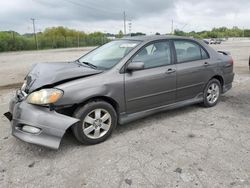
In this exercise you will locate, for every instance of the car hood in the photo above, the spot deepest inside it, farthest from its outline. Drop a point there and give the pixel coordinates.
(50, 74)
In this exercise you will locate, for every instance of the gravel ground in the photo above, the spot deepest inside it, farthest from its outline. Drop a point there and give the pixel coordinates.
(186, 147)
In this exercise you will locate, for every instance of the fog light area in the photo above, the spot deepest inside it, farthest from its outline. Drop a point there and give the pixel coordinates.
(30, 129)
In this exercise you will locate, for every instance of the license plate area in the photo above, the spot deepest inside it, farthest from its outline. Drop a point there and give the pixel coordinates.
(8, 115)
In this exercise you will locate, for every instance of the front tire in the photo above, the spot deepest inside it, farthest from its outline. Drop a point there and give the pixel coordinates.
(98, 120)
(212, 93)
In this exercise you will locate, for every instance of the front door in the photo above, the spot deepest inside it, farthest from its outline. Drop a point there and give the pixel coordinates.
(155, 85)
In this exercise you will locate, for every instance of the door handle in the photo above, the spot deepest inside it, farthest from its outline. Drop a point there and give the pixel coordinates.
(206, 64)
(169, 71)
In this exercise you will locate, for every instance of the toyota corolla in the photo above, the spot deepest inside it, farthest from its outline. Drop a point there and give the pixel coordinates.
(121, 81)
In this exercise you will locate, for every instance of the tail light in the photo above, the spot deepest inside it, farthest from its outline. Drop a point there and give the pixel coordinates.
(231, 61)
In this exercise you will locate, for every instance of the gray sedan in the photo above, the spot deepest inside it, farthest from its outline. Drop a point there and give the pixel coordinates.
(118, 82)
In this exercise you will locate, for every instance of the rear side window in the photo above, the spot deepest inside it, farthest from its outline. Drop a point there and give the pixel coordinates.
(189, 51)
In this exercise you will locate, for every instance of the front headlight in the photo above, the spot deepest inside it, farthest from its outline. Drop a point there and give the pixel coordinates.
(45, 96)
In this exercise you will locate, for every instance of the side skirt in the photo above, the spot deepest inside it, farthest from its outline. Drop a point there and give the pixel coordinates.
(125, 118)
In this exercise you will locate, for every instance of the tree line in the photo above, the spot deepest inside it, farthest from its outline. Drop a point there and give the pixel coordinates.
(221, 32)
(62, 37)
(56, 37)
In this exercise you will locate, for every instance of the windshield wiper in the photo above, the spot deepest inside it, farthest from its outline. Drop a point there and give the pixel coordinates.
(90, 65)
(87, 63)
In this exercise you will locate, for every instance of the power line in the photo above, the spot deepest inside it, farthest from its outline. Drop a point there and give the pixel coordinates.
(34, 30)
(184, 26)
(88, 5)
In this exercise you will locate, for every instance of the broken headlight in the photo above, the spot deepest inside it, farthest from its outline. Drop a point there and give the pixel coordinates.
(24, 85)
(45, 96)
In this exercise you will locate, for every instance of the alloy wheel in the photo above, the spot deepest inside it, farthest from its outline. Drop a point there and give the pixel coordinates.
(213, 93)
(97, 123)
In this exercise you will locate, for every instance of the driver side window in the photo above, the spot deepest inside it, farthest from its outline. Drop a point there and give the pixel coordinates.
(154, 55)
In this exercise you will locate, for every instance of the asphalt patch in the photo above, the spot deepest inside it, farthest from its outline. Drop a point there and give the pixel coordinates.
(178, 170)
(128, 181)
(31, 164)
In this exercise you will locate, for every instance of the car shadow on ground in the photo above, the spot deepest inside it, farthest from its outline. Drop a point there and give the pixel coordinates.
(160, 116)
(69, 141)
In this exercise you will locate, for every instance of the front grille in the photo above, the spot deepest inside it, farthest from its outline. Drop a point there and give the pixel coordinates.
(26, 90)
(20, 95)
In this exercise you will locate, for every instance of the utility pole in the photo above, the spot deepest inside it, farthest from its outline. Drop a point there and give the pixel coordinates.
(14, 40)
(130, 27)
(172, 27)
(34, 32)
(78, 39)
(124, 22)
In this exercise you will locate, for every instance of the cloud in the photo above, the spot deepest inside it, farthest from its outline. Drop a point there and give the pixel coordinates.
(202, 15)
(107, 15)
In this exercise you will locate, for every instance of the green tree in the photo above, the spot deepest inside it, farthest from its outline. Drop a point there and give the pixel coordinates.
(120, 34)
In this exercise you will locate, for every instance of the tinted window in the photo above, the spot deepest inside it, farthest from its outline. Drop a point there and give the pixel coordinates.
(189, 51)
(154, 55)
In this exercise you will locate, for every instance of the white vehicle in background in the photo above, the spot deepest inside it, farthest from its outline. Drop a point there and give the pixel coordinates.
(215, 41)
(207, 41)
(212, 41)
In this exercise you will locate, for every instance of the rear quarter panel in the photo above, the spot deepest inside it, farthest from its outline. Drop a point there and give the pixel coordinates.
(226, 66)
(222, 65)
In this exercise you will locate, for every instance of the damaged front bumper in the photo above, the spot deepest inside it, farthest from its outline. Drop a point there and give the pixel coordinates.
(38, 124)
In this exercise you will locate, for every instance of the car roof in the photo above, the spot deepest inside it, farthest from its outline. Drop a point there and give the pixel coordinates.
(147, 38)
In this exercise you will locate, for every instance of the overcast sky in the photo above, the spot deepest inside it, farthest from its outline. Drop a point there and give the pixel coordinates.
(147, 16)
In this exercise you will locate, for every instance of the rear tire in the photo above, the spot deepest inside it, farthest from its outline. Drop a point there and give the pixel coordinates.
(98, 120)
(212, 93)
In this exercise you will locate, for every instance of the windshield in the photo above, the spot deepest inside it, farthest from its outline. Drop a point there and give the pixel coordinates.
(109, 54)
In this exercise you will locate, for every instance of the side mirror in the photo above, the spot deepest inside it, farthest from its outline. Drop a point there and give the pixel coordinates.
(132, 66)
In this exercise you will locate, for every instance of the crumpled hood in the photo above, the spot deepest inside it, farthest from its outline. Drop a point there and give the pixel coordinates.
(44, 74)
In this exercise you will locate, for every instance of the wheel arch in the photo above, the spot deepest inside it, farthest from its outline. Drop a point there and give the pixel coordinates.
(107, 99)
(220, 78)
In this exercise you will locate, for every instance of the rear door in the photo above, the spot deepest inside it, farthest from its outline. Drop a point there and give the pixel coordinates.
(155, 85)
(193, 69)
